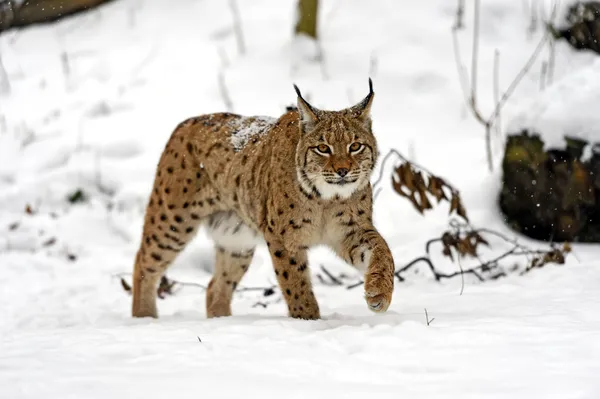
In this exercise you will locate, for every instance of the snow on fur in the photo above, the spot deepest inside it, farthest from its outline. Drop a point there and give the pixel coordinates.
(249, 128)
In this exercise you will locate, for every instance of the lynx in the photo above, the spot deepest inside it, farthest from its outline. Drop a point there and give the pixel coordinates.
(294, 182)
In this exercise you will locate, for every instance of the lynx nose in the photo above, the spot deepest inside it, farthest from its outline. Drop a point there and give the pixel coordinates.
(342, 172)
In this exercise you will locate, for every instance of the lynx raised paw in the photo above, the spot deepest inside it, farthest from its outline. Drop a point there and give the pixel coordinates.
(378, 292)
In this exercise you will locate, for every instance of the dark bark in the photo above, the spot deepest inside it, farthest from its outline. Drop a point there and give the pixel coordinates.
(307, 17)
(582, 26)
(41, 11)
(551, 194)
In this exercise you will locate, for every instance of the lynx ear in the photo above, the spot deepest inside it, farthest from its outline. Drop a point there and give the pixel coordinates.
(362, 110)
(309, 116)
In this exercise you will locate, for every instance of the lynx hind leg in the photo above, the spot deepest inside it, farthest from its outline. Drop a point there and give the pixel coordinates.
(234, 245)
(182, 197)
(166, 234)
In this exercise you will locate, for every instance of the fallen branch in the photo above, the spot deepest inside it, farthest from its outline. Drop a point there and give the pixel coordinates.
(168, 286)
(462, 241)
(333, 280)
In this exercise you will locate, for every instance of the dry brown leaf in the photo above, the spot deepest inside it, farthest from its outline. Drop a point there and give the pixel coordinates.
(435, 188)
(415, 184)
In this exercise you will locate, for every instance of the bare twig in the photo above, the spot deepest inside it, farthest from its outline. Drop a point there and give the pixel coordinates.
(519, 77)
(267, 291)
(488, 122)
(543, 74)
(463, 77)
(223, 57)
(460, 12)
(551, 60)
(224, 92)
(474, 57)
(427, 318)
(410, 264)
(551, 43)
(391, 153)
(333, 279)
(237, 26)
(533, 18)
(462, 276)
(497, 92)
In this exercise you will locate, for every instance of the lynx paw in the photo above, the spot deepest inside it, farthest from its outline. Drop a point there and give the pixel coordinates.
(378, 292)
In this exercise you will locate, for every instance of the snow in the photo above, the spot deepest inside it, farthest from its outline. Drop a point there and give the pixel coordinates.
(92, 102)
(249, 128)
(571, 116)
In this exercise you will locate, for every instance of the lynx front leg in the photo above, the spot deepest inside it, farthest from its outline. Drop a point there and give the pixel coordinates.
(293, 276)
(365, 249)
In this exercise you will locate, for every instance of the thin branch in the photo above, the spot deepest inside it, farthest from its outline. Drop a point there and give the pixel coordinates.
(496, 88)
(552, 44)
(460, 12)
(471, 98)
(474, 55)
(263, 289)
(334, 279)
(395, 152)
(427, 318)
(224, 92)
(223, 57)
(237, 26)
(543, 74)
(411, 264)
(462, 276)
(519, 77)
(463, 77)
(382, 168)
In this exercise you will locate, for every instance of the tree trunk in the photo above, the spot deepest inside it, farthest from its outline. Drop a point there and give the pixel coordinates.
(307, 17)
(39, 11)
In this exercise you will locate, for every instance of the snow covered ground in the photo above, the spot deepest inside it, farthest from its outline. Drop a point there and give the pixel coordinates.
(92, 102)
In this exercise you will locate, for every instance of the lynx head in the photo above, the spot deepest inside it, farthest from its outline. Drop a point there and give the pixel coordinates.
(337, 150)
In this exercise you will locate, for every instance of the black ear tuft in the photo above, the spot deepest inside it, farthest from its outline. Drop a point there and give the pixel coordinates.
(298, 91)
(362, 110)
(308, 114)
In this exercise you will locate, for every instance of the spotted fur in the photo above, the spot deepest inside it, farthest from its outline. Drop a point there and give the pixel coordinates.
(294, 182)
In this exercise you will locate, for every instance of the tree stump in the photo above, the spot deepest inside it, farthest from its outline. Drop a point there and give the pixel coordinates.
(582, 26)
(553, 194)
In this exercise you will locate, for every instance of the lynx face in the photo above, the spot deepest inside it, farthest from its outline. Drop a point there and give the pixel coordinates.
(337, 150)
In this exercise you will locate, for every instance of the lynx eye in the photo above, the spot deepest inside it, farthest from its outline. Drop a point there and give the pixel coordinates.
(323, 149)
(354, 147)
